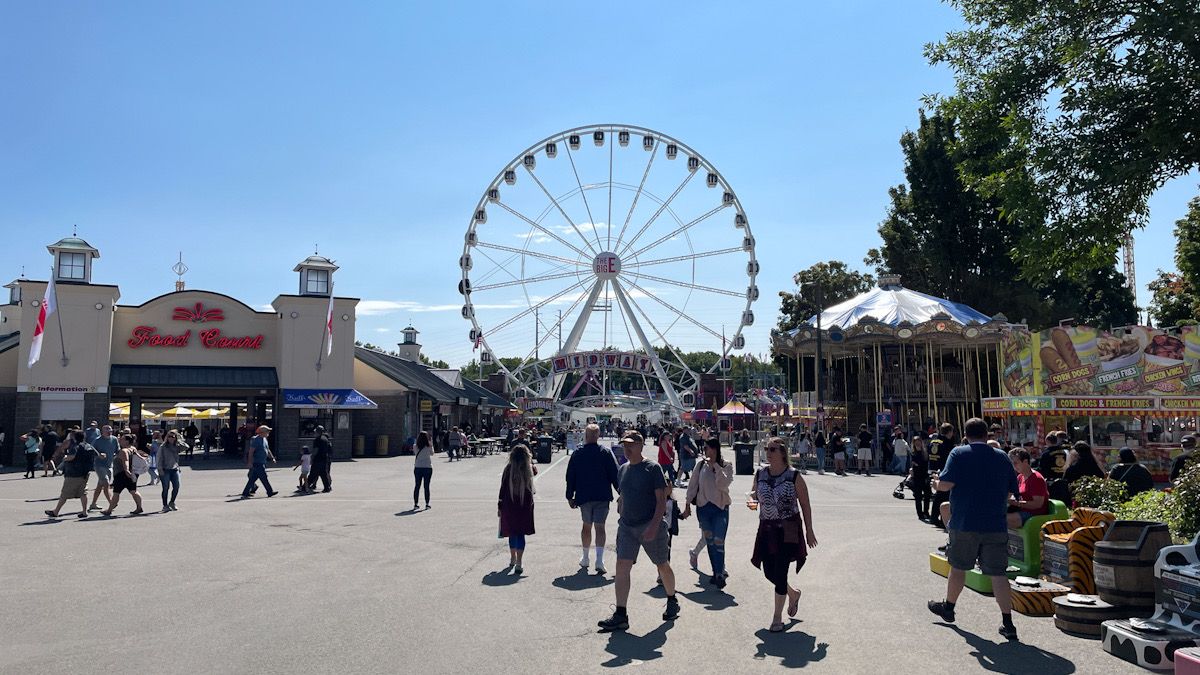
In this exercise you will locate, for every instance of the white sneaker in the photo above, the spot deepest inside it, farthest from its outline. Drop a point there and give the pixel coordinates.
(820, 473)
(584, 562)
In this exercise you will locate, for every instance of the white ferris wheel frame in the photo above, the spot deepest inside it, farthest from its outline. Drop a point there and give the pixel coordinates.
(535, 377)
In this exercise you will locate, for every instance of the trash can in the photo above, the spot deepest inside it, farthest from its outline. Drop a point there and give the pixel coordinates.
(360, 444)
(743, 459)
(381, 445)
(545, 447)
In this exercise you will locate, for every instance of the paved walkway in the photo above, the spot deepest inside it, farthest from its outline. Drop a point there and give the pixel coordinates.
(354, 581)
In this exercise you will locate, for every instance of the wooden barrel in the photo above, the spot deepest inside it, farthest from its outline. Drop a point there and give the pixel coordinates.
(1085, 618)
(1123, 564)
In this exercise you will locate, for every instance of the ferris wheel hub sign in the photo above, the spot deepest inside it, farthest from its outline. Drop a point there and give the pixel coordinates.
(606, 265)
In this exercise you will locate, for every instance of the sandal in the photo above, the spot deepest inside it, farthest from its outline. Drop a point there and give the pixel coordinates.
(776, 627)
(794, 603)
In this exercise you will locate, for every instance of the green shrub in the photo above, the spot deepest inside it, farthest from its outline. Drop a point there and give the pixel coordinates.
(1099, 493)
(1186, 496)
(1151, 506)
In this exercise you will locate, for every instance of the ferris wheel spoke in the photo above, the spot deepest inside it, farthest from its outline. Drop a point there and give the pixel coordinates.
(608, 221)
(695, 287)
(638, 194)
(668, 387)
(544, 231)
(660, 334)
(657, 213)
(558, 206)
(552, 329)
(675, 311)
(530, 310)
(679, 230)
(526, 280)
(582, 193)
(682, 258)
(534, 254)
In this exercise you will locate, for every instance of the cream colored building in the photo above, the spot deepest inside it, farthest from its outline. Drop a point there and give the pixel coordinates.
(189, 345)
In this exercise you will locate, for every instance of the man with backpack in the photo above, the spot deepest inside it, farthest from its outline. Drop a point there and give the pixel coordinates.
(77, 464)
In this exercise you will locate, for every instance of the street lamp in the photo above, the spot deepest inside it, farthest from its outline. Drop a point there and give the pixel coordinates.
(820, 361)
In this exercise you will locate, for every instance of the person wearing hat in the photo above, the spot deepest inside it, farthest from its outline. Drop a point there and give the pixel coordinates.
(257, 454)
(321, 459)
(642, 504)
(1136, 477)
(1189, 453)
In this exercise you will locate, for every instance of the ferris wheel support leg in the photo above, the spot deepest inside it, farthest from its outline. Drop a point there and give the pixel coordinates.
(668, 387)
(551, 385)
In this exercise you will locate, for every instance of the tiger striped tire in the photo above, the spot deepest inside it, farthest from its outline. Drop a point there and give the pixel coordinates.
(1036, 600)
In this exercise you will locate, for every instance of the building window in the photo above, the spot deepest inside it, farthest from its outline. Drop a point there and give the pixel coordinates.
(71, 266)
(318, 282)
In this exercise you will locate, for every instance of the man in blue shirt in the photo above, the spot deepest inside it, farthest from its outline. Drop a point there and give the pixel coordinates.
(106, 448)
(257, 453)
(591, 478)
(980, 479)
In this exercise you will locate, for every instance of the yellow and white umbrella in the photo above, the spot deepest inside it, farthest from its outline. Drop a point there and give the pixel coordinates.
(178, 411)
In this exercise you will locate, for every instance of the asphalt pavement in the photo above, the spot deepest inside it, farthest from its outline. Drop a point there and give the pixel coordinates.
(355, 581)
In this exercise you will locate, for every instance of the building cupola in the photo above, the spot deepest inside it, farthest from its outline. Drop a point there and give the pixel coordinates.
(316, 275)
(73, 260)
(409, 350)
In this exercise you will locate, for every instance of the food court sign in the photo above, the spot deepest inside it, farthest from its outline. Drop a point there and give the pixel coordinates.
(209, 338)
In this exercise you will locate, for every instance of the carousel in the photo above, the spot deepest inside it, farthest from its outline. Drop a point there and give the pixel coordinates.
(895, 356)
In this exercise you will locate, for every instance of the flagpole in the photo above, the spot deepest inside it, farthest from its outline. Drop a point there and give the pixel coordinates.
(325, 326)
(62, 341)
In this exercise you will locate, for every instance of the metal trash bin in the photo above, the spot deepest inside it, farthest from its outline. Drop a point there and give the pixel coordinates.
(544, 449)
(743, 459)
(381, 445)
(360, 443)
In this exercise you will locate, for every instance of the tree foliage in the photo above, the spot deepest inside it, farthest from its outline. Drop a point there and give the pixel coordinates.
(1176, 298)
(819, 286)
(949, 240)
(1091, 106)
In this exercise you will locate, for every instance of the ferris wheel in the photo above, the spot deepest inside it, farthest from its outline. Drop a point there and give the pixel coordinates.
(595, 258)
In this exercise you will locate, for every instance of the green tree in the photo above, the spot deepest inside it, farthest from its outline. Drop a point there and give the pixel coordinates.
(822, 285)
(1091, 106)
(434, 363)
(1177, 295)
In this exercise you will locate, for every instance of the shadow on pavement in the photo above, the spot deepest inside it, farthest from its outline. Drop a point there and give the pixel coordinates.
(45, 521)
(411, 512)
(1012, 657)
(794, 650)
(581, 581)
(710, 598)
(500, 578)
(628, 649)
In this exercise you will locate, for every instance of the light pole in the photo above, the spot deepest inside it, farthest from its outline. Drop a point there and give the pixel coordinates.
(820, 360)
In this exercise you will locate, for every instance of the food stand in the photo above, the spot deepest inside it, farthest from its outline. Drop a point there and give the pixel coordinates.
(1136, 387)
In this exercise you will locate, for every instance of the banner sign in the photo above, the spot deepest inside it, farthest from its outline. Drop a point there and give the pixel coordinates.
(535, 407)
(326, 398)
(631, 362)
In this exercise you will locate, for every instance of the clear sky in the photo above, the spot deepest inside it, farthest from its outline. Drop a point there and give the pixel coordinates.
(244, 133)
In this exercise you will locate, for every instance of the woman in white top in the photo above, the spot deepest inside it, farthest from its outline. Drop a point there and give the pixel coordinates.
(709, 491)
(422, 467)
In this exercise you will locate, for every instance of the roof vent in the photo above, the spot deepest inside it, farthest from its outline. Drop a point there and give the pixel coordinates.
(889, 280)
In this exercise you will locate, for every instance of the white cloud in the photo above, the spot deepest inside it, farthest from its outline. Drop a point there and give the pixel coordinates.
(383, 330)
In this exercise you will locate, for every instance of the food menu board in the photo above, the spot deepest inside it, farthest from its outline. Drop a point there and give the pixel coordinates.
(1084, 361)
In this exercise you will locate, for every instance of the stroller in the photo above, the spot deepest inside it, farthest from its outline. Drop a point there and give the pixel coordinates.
(906, 483)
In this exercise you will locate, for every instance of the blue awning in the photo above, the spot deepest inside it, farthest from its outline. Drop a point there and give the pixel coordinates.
(341, 399)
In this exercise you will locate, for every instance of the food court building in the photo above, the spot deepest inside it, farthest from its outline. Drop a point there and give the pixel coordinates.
(137, 363)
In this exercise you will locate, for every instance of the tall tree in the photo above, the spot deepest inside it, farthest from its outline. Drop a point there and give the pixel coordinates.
(948, 239)
(1177, 295)
(1097, 101)
(822, 285)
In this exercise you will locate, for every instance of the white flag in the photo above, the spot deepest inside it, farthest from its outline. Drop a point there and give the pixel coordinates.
(47, 308)
(329, 324)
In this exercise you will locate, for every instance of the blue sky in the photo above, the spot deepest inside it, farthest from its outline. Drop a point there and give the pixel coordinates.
(244, 133)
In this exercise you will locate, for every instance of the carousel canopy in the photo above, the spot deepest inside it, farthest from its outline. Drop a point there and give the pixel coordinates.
(891, 304)
(735, 408)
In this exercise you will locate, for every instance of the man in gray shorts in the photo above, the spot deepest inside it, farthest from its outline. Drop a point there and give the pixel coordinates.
(644, 492)
(591, 478)
(980, 480)
(106, 449)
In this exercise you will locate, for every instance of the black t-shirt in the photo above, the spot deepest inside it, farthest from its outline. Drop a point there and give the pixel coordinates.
(1053, 463)
(1178, 465)
(864, 439)
(1135, 477)
(819, 439)
(85, 457)
(49, 442)
(938, 449)
(835, 443)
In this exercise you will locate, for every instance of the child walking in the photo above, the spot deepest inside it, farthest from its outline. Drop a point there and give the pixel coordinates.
(305, 465)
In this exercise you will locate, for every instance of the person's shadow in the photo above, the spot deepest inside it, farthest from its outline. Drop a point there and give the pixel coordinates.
(581, 581)
(410, 512)
(793, 649)
(1012, 657)
(500, 578)
(628, 649)
(710, 598)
